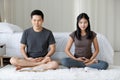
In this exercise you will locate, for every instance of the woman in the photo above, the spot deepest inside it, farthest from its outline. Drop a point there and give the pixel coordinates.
(83, 38)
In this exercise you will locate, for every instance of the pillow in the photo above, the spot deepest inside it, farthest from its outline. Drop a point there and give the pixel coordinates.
(9, 28)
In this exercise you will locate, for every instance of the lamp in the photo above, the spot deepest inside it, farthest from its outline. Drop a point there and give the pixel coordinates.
(0, 18)
(2, 52)
(5, 10)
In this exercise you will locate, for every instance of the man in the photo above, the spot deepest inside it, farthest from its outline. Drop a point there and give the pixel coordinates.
(34, 45)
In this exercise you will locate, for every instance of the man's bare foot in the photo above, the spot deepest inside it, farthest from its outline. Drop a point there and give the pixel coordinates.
(91, 62)
(18, 67)
(40, 68)
(46, 59)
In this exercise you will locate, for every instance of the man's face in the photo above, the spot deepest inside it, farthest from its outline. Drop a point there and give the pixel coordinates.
(37, 21)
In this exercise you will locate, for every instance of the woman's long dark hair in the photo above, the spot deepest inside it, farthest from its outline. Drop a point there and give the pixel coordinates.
(78, 30)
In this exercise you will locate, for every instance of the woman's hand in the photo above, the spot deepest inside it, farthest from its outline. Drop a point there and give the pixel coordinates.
(91, 62)
(82, 59)
(86, 60)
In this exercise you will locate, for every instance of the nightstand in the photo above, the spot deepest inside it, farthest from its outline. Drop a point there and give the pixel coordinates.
(2, 52)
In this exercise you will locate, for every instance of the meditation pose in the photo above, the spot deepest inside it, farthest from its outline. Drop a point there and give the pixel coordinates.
(35, 42)
(83, 38)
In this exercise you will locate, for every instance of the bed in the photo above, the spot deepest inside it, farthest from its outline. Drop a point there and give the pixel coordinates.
(113, 73)
(11, 38)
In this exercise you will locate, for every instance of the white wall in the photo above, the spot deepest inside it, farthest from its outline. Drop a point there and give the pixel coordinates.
(58, 13)
(117, 58)
(117, 26)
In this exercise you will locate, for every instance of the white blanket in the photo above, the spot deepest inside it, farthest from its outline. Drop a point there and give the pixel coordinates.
(113, 73)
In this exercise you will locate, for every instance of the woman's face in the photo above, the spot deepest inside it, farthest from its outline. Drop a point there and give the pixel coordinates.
(83, 24)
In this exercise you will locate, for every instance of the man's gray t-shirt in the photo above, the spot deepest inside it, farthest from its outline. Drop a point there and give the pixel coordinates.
(37, 43)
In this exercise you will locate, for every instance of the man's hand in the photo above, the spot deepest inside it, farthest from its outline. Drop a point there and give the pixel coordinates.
(39, 59)
(31, 59)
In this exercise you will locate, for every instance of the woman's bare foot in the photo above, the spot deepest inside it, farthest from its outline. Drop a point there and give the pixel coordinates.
(91, 62)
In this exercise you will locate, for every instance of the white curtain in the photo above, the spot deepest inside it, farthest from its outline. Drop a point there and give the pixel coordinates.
(1, 10)
(103, 16)
(5, 10)
(60, 15)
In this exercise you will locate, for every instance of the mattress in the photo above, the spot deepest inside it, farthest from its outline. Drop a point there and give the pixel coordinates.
(12, 42)
(113, 73)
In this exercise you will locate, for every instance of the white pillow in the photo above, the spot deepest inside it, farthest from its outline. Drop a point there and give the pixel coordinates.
(9, 28)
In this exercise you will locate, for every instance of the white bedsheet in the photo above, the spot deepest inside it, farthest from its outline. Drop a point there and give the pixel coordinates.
(113, 73)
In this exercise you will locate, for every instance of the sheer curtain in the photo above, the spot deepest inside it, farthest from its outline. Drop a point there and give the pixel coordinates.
(58, 13)
(61, 15)
(103, 16)
(5, 10)
(1, 10)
